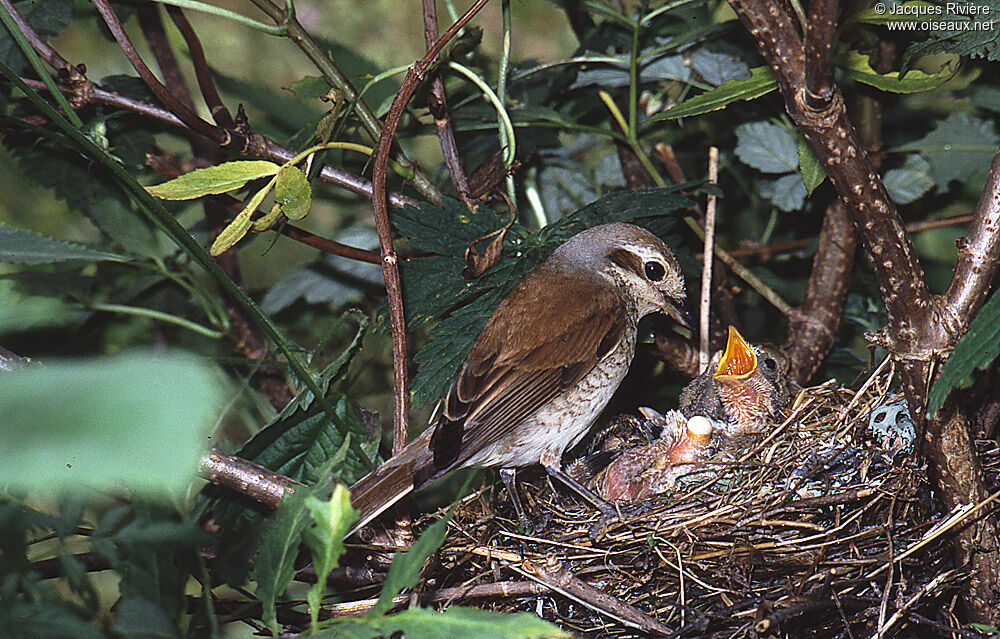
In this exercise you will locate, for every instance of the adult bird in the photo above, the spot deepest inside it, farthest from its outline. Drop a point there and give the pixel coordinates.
(549, 359)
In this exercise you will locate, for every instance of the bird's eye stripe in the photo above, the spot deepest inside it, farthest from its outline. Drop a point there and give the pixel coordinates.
(627, 260)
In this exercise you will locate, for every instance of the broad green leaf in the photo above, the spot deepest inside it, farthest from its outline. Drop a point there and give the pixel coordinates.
(857, 67)
(909, 182)
(279, 546)
(767, 147)
(761, 82)
(240, 224)
(331, 520)
(810, 168)
(455, 621)
(975, 350)
(971, 34)
(404, 572)
(310, 87)
(292, 192)
(138, 420)
(787, 192)
(212, 180)
(959, 148)
(24, 247)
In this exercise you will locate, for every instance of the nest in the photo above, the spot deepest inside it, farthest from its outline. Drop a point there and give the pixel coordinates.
(745, 550)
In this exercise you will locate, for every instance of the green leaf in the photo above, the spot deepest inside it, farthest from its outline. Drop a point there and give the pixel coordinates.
(455, 621)
(138, 618)
(976, 350)
(976, 35)
(212, 180)
(911, 181)
(404, 572)
(961, 147)
(788, 193)
(236, 229)
(325, 539)
(279, 546)
(895, 13)
(46, 17)
(858, 67)
(810, 168)
(19, 312)
(767, 147)
(136, 420)
(761, 82)
(310, 87)
(292, 192)
(24, 247)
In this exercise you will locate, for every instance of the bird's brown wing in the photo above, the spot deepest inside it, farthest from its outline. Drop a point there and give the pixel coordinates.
(535, 346)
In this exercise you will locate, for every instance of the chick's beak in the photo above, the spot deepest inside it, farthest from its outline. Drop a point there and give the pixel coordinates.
(739, 360)
(673, 307)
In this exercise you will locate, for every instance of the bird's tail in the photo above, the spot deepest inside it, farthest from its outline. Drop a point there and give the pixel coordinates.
(380, 489)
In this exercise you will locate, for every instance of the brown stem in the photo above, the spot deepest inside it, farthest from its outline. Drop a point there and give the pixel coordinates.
(175, 104)
(437, 103)
(812, 327)
(390, 270)
(247, 478)
(821, 30)
(202, 72)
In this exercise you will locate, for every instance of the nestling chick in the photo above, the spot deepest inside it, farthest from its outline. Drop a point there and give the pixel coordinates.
(743, 388)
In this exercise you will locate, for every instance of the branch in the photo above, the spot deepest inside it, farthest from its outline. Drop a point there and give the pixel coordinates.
(390, 270)
(247, 478)
(821, 30)
(209, 93)
(812, 327)
(437, 104)
(978, 252)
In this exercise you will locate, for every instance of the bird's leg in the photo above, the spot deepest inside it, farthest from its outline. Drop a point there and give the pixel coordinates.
(509, 477)
(606, 509)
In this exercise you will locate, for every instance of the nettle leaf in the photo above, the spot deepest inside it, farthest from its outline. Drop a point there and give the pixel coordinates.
(761, 82)
(810, 168)
(435, 289)
(24, 247)
(292, 192)
(70, 425)
(788, 193)
(46, 17)
(858, 67)
(909, 182)
(979, 38)
(279, 546)
(213, 180)
(961, 147)
(977, 349)
(767, 147)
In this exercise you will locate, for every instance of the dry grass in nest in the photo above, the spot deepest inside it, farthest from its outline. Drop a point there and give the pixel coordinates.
(738, 556)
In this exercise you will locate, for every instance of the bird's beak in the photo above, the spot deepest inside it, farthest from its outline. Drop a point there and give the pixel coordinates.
(739, 360)
(673, 308)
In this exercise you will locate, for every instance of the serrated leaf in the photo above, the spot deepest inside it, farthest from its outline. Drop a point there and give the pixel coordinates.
(455, 621)
(279, 546)
(25, 247)
(72, 425)
(788, 193)
(976, 35)
(761, 82)
(975, 350)
(959, 147)
(325, 538)
(46, 17)
(810, 168)
(292, 192)
(858, 67)
(767, 147)
(212, 180)
(404, 572)
(909, 182)
(236, 229)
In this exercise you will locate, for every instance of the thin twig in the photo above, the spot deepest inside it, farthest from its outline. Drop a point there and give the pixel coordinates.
(202, 72)
(706, 268)
(247, 478)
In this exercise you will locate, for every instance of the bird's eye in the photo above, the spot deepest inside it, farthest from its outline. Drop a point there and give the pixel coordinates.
(654, 271)
(770, 363)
